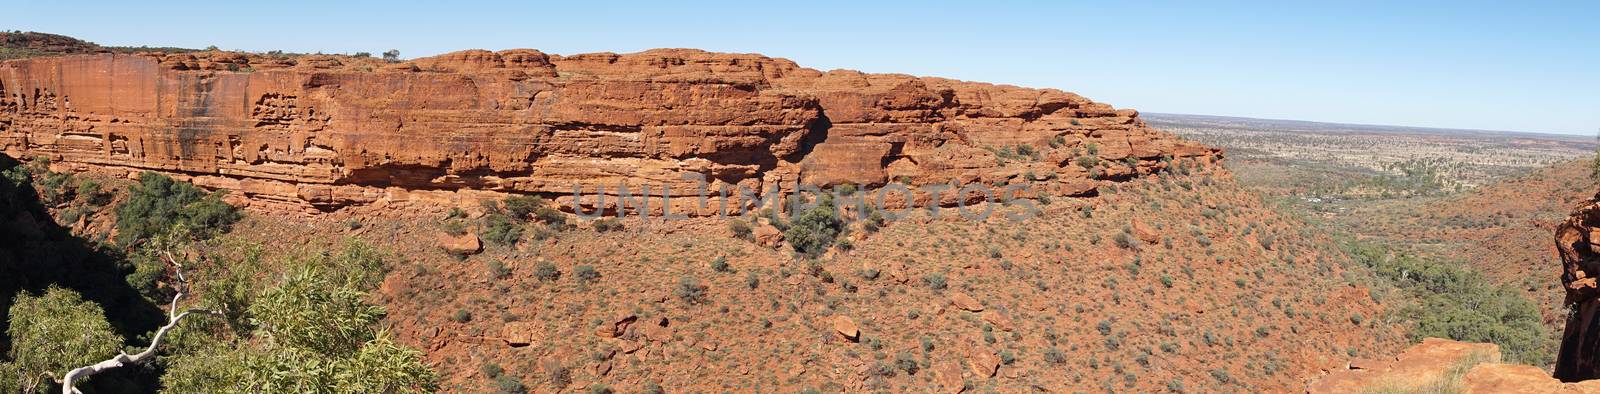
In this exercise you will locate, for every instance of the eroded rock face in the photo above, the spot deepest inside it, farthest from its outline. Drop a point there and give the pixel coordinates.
(1578, 243)
(318, 133)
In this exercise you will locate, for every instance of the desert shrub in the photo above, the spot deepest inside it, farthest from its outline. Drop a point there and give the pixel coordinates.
(500, 229)
(1027, 150)
(653, 388)
(522, 207)
(1124, 240)
(158, 203)
(1086, 162)
(498, 270)
(90, 192)
(741, 229)
(585, 273)
(491, 370)
(690, 290)
(906, 362)
(720, 264)
(815, 230)
(557, 373)
(454, 227)
(607, 225)
(546, 271)
(935, 281)
(1055, 356)
(1221, 375)
(507, 384)
(752, 281)
(53, 187)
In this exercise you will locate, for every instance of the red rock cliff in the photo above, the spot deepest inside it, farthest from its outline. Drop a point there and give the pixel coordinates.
(327, 132)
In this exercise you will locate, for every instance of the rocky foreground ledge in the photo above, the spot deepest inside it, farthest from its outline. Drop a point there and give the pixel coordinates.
(1445, 366)
(316, 133)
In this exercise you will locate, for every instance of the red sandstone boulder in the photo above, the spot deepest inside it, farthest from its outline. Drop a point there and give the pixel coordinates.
(964, 301)
(460, 245)
(846, 327)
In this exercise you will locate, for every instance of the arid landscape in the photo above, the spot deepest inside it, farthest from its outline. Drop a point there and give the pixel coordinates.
(353, 223)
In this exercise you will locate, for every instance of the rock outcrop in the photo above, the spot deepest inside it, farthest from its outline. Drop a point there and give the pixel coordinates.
(319, 133)
(1441, 365)
(1578, 243)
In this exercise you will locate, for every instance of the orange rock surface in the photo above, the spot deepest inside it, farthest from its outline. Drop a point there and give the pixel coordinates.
(319, 133)
(1441, 365)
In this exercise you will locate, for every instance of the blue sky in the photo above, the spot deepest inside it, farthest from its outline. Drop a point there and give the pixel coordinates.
(1457, 64)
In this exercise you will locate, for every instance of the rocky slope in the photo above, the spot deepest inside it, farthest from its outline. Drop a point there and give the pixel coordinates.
(319, 133)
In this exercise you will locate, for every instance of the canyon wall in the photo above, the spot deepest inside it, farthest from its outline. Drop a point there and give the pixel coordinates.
(318, 133)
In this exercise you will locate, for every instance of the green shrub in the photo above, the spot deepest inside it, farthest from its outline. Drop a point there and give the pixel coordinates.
(1055, 356)
(1457, 303)
(498, 228)
(158, 204)
(813, 231)
(90, 192)
(720, 264)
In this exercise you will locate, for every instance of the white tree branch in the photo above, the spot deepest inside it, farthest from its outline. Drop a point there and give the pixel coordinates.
(69, 381)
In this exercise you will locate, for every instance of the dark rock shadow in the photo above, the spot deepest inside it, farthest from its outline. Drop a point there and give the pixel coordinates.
(37, 253)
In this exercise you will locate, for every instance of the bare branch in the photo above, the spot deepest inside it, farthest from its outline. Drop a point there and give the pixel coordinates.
(69, 381)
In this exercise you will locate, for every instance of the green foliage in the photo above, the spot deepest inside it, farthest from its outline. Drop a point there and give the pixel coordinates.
(314, 333)
(720, 264)
(498, 228)
(1457, 303)
(159, 203)
(54, 332)
(1594, 166)
(1415, 177)
(813, 231)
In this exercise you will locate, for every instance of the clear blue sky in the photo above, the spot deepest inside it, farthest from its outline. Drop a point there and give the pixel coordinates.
(1456, 64)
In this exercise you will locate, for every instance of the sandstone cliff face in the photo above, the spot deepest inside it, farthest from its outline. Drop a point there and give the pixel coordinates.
(1578, 243)
(318, 133)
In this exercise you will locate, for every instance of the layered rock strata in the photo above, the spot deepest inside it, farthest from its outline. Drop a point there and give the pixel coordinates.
(319, 133)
